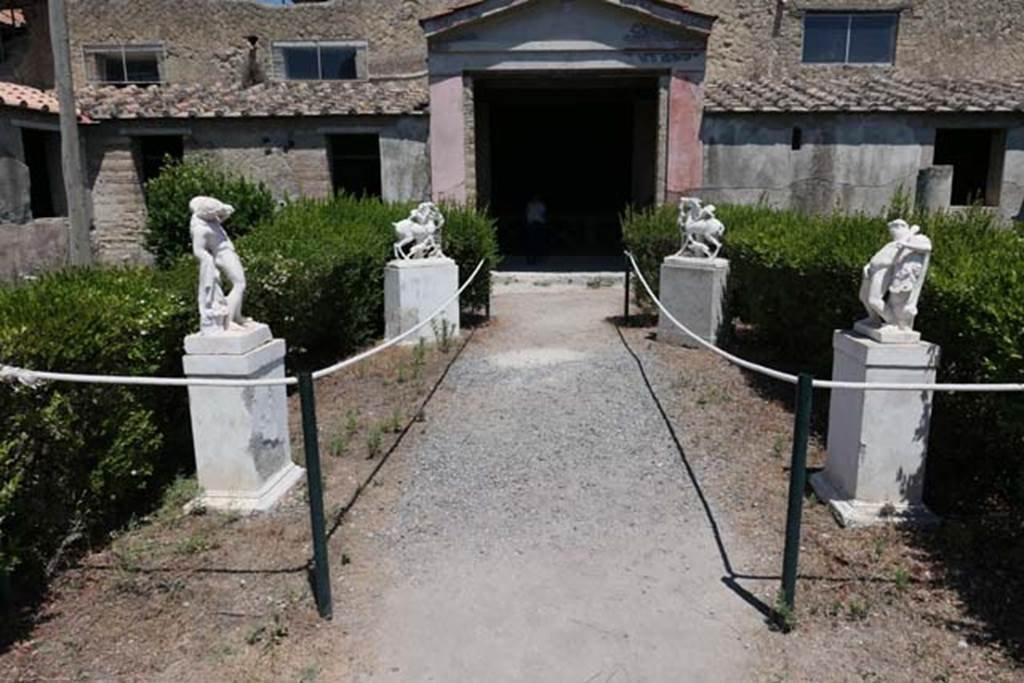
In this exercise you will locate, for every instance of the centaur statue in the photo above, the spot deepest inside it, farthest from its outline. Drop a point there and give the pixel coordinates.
(422, 229)
(701, 231)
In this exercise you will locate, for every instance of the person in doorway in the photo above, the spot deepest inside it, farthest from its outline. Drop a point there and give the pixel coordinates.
(536, 223)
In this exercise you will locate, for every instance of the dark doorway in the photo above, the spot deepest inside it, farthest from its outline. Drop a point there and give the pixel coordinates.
(976, 156)
(355, 164)
(585, 149)
(46, 182)
(156, 151)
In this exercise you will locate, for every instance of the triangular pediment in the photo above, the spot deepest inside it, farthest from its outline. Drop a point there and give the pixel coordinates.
(567, 25)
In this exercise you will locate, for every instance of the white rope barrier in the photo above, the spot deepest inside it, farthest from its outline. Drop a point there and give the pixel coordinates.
(331, 369)
(35, 377)
(818, 384)
(32, 378)
(735, 360)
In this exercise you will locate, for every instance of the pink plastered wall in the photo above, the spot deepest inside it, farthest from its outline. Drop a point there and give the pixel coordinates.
(685, 151)
(447, 140)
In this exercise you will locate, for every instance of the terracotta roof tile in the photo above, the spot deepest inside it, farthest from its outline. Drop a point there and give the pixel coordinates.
(865, 92)
(25, 97)
(276, 98)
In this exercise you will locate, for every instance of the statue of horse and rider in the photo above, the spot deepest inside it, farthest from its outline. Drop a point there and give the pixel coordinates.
(422, 230)
(701, 231)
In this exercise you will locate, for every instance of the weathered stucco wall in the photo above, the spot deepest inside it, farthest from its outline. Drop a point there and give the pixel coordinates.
(207, 40)
(764, 38)
(31, 248)
(290, 156)
(752, 38)
(854, 162)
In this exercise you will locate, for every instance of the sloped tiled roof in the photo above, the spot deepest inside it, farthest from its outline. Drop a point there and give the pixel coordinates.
(278, 98)
(25, 97)
(822, 93)
(868, 92)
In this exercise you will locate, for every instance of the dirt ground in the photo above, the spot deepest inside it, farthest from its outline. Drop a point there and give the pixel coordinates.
(197, 597)
(877, 604)
(180, 597)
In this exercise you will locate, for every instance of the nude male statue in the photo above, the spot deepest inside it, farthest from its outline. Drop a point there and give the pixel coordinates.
(216, 254)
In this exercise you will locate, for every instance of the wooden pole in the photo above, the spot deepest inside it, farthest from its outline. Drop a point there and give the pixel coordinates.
(79, 249)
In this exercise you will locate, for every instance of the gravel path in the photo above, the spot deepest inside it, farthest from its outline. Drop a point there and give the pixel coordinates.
(546, 529)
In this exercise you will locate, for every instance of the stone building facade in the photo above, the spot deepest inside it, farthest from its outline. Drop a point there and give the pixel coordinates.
(637, 101)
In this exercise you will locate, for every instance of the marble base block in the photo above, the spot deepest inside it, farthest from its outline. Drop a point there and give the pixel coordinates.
(414, 289)
(229, 343)
(693, 289)
(877, 440)
(240, 434)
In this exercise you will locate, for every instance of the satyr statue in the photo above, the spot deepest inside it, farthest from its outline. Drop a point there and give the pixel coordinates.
(701, 231)
(422, 229)
(894, 277)
(210, 244)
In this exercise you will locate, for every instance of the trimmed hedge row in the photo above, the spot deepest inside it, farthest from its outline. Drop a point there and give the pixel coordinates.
(795, 278)
(76, 460)
(168, 195)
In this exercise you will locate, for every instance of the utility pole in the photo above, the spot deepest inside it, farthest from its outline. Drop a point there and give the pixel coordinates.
(79, 249)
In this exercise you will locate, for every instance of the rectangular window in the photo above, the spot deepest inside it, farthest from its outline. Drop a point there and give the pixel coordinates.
(355, 164)
(156, 151)
(859, 38)
(976, 156)
(125, 64)
(320, 61)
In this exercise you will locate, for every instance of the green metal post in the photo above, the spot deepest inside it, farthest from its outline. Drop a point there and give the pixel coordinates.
(797, 482)
(314, 483)
(625, 314)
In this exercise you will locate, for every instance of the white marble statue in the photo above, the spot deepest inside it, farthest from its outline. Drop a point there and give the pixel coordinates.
(701, 231)
(893, 279)
(422, 229)
(212, 246)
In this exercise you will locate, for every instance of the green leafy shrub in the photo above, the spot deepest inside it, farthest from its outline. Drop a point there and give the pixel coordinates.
(469, 237)
(168, 195)
(316, 271)
(76, 458)
(795, 278)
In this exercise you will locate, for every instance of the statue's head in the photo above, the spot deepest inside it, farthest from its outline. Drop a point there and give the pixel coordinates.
(210, 209)
(899, 229)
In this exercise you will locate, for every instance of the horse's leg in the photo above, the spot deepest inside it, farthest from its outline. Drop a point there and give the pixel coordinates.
(401, 244)
(716, 244)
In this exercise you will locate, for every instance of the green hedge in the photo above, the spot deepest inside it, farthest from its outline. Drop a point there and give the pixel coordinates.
(168, 195)
(315, 272)
(75, 460)
(795, 278)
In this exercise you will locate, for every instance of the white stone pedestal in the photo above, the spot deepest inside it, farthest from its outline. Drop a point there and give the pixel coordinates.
(413, 289)
(877, 440)
(240, 434)
(693, 289)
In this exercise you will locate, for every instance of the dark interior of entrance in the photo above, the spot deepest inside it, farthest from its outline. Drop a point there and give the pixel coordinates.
(584, 148)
